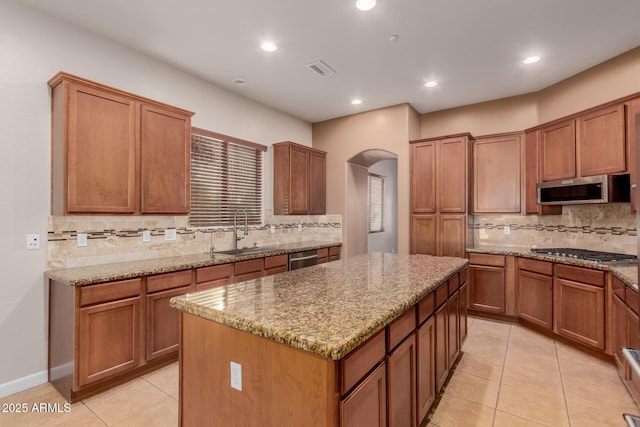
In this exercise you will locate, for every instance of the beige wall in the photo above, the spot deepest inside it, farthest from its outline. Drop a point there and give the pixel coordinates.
(387, 129)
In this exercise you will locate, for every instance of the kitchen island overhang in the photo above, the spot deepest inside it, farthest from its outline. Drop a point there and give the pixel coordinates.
(290, 332)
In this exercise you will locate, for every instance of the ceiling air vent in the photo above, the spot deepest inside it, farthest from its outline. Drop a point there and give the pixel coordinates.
(321, 69)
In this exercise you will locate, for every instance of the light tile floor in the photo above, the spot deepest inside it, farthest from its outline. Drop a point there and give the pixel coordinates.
(508, 376)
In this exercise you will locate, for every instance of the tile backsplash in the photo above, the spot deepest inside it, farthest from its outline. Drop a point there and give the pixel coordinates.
(119, 238)
(607, 227)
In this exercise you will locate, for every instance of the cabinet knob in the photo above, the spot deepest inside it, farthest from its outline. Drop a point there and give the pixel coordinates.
(633, 187)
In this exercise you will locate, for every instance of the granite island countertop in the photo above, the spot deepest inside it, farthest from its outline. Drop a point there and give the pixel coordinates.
(625, 271)
(328, 309)
(89, 275)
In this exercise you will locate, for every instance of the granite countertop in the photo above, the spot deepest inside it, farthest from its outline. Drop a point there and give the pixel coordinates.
(625, 271)
(89, 275)
(328, 309)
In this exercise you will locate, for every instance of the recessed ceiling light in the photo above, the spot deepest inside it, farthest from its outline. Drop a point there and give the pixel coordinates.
(531, 59)
(240, 82)
(356, 101)
(365, 4)
(393, 37)
(431, 83)
(269, 46)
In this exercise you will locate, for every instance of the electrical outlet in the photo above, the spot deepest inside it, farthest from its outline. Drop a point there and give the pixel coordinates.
(507, 229)
(299, 227)
(146, 236)
(82, 240)
(170, 234)
(273, 229)
(236, 376)
(33, 241)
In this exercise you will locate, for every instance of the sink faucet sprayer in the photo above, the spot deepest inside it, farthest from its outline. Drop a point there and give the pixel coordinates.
(235, 227)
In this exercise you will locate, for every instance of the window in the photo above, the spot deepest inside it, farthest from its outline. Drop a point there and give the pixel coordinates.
(226, 175)
(376, 203)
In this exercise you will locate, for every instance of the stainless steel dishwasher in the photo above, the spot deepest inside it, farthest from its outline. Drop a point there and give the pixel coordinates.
(302, 259)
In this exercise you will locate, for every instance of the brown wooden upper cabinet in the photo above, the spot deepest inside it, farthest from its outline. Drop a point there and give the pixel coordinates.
(601, 138)
(497, 173)
(299, 180)
(114, 152)
(558, 150)
(533, 175)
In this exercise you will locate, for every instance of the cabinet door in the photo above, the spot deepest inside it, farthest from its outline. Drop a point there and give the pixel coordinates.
(101, 152)
(496, 174)
(401, 384)
(601, 137)
(317, 183)
(558, 151)
(423, 234)
(109, 339)
(452, 175)
(464, 303)
(619, 339)
(163, 323)
(487, 289)
(366, 405)
(633, 137)
(441, 318)
(535, 298)
(423, 177)
(451, 235)
(533, 176)
(454, 327)
(633, 341)
(425, 367)
(579, 309)
(298, 181)
(165, 161)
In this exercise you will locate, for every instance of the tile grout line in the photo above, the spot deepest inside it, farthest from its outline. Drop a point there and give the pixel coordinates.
(504, 362)
(564, 393)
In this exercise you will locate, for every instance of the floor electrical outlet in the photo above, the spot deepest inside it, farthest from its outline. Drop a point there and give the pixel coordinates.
(236, 376)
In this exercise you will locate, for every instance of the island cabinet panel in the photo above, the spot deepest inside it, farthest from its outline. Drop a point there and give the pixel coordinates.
(620, 333)
(464, 303)
(356, 364)
(454, 327)
(602, 145)
(400, 328)
(633, 341)
(109, 339)
(534, 285)
(425, 367)
(165, 165)
(163, 321)
(401, 383)
(214, 276)
(441, 320)
(366, 406)
(117, 153)
(579, 305)
(280, 384)
(558, 151)
(496, 173)
(487, 286)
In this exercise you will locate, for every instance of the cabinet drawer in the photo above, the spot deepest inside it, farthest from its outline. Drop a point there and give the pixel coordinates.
(618, 288)
(360, 361)
(486, 259)
(105, 292)
(163, 282)
(426, 307)
(579, 274)
(334, 251)
(215, 272)
(632, 299)
(464, 276)
(540, 267)
(442, 293)
(249, 266)
(323, 253)
(453, 284)
(400, 328)
(276, 261)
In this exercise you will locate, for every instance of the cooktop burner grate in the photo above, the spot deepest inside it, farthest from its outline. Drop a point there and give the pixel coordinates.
(586, 254)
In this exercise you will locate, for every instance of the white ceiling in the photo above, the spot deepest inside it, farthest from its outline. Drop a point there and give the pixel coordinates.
(473, 48)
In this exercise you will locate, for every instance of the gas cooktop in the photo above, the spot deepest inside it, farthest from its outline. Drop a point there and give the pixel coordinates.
(587, 255)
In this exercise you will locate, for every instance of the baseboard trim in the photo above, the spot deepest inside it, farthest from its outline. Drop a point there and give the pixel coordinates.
(23, 383)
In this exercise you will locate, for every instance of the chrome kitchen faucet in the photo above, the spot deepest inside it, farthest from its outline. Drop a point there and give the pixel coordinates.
(235, 227)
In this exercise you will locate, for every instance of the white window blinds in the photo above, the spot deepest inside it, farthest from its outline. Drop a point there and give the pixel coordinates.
(376, 203)
(226, 175)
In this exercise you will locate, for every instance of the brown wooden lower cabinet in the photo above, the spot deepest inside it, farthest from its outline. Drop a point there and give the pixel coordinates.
(620, 331)
(535, 298)
(366, 406)
(425, 367)
(214, 276)
(579, 306)
(334, 253)
(487, 288)
(441, 317)
(464, 303)
(163, 323)
(275, 264)
(401, 384)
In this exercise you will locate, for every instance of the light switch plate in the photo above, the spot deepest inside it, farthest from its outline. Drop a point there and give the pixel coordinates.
(82, 240)
(33, 241)
(170, 234)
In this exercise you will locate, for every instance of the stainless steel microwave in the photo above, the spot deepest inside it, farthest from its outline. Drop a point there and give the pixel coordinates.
(591, 189)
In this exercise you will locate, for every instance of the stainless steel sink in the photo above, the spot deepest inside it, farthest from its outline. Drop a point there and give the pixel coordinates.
(244, 251)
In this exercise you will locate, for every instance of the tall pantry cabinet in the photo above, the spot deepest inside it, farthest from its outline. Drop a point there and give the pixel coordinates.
(439, 195)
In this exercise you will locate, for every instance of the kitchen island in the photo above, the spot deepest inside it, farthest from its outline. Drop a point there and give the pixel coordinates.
(308, 341)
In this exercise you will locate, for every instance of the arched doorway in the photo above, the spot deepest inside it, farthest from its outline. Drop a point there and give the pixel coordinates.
(382, 163)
